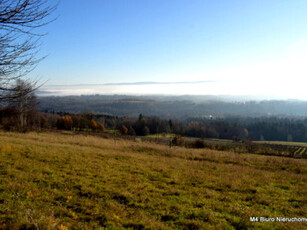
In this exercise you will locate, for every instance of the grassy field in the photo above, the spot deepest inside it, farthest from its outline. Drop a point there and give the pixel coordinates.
(161, 135)
(66, 181)
(303, 144)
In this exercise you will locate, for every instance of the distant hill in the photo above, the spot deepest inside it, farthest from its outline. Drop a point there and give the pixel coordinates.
(177, 107)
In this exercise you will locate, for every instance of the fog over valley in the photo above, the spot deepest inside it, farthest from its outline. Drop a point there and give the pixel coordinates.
(215, 88)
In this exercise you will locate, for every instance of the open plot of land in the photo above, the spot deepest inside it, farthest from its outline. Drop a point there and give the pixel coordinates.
(284, 149)
(57, 181)
(284, 143)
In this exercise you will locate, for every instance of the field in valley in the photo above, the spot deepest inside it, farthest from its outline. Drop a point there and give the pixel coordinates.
(67, 181)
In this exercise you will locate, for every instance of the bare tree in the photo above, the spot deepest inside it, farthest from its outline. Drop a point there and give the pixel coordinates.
(19, 42)
(25, 104)
(21, 113)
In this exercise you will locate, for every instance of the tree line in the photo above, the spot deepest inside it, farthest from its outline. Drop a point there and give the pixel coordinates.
(23, 115)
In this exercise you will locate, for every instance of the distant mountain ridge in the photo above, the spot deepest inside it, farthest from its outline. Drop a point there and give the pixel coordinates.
(179, 107)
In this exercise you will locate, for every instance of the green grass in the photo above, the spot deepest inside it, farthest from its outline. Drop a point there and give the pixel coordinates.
(60, 181)
(161, 135)
(303, 144)
(113, 131)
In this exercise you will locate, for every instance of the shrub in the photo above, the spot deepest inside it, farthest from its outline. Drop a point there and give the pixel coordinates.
(198, 144)
(94, 125)
(123, 130)
(65, 122)
(146, 131)
(177, 141)
(131, 131)
(100, 127)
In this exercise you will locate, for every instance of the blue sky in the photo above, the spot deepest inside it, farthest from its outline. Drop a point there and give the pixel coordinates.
(237, 44)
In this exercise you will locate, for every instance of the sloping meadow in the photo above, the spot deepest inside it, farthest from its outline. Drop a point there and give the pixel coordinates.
(67, 181)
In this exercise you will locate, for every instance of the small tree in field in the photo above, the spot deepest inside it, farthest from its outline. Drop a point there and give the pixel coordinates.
(100, 127)
(146, 131)
(123, 130)
(94, 125)
(97, 126)
(131, 131)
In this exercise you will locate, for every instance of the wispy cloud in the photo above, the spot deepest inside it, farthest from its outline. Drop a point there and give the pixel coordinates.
(159, 83)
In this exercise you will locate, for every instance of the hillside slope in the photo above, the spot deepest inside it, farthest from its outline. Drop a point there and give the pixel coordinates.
(66, 181)
(171, 107)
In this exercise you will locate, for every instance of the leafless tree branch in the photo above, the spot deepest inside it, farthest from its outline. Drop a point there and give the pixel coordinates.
(19, 42)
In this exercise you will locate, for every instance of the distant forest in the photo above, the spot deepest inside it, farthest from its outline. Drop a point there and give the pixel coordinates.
(142, 116)
(186, 116)
(171, 107)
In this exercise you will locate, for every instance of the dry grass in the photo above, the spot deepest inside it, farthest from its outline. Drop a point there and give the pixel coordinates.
(66, 181)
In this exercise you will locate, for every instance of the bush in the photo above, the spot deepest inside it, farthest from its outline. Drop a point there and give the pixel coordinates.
(177, 141)
(97, 126)
(131, 131)
(65, 122)
(145, 131)
(198, 144)
(100, 127)
(123, 130)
